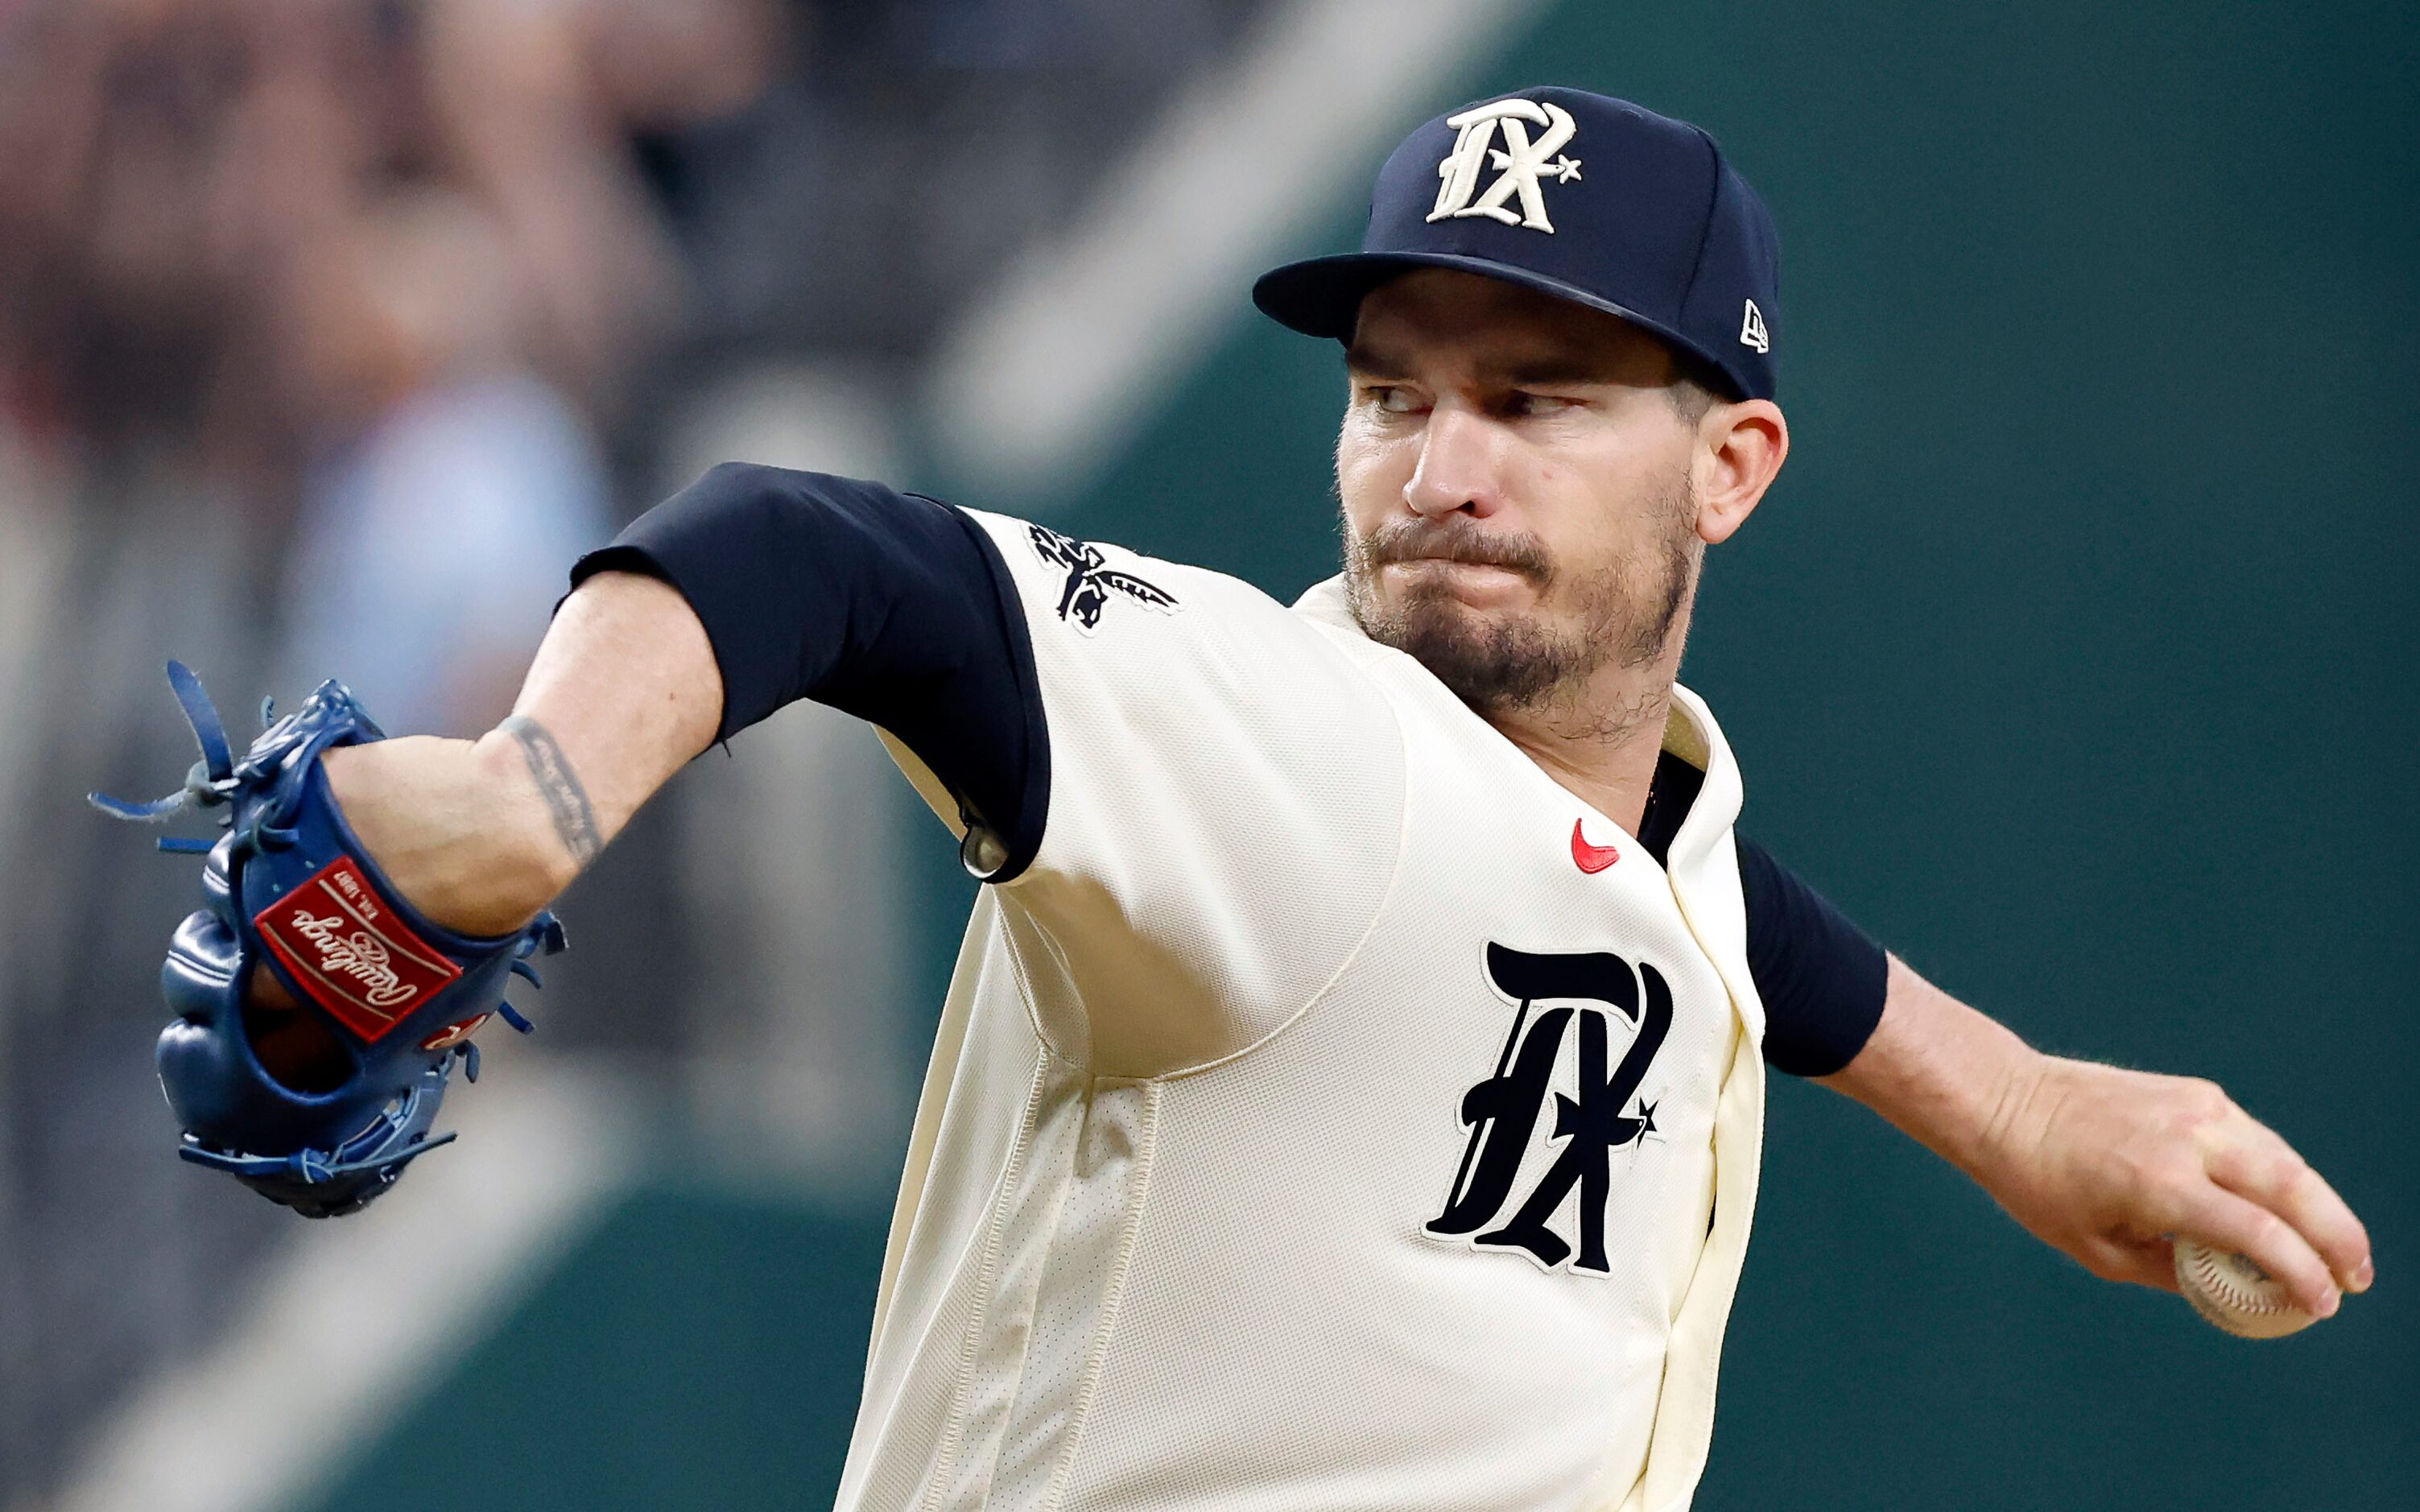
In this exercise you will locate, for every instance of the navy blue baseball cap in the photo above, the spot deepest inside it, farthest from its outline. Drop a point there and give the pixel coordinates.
(1585, 197)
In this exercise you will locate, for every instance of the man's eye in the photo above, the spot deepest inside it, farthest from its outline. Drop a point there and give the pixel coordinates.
(1535, 404)
(1393, 401)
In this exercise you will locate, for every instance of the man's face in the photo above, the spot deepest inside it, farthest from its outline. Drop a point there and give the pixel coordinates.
(1519, 507)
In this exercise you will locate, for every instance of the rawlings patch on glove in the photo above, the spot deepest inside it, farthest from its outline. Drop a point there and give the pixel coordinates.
(394, 999)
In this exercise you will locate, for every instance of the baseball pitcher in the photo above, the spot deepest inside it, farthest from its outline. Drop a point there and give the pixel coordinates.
(1351, 1089)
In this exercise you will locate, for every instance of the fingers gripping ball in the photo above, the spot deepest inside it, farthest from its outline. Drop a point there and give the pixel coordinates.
(2231, 1292)
(317, 1084)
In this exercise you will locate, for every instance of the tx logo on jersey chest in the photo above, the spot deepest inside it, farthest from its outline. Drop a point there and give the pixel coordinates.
(1490, 1205)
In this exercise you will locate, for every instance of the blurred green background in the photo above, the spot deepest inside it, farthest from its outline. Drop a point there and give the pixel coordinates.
(2073, 655)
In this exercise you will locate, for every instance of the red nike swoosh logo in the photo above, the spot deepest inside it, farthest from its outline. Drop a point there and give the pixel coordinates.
(1592, 858)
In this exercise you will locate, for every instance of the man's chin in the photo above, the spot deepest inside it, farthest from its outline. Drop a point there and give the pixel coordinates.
(1490, 661)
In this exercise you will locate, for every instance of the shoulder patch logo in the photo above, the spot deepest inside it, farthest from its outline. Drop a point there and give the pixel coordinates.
(1091, 580)
(1752, 331)
(1520, 162)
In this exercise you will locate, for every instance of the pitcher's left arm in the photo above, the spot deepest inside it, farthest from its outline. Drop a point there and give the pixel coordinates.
(2103, 1162)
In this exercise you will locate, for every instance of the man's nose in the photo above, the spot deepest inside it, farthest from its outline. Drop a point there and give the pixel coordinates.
(1461, 465)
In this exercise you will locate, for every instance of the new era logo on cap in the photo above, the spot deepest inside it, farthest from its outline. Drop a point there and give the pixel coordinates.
(1577, 196)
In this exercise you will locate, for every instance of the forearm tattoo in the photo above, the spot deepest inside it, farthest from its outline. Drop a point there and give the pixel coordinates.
(575, 822)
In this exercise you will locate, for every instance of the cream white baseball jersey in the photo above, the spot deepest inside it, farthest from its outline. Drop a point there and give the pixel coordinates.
(1338, 1112)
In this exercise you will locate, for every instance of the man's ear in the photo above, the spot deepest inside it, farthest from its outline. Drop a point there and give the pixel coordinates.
(1740, 449)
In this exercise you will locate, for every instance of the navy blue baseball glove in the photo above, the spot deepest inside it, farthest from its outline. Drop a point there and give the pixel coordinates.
(318, 1108)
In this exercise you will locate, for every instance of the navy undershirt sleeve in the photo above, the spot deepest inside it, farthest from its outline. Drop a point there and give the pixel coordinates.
(1821, 977)
(890, 606)
(898, 609)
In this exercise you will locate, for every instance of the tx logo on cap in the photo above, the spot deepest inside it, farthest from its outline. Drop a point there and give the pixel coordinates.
(1519, 161)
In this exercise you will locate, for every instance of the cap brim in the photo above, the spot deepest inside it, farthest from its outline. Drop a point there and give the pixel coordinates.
(1322, 296)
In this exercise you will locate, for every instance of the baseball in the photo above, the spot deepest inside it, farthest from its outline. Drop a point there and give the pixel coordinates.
(2234, 1294)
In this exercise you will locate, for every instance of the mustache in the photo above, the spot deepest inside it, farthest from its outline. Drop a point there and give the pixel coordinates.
(1455, 538)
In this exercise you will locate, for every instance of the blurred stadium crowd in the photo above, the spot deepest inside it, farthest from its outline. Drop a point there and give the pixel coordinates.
(330, 332)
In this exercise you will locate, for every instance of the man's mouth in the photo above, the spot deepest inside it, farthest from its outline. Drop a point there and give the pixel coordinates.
(1477, 584)
(1465, 563)
(1457, 550)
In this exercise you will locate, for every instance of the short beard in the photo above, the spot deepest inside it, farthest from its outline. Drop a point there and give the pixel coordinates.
(1625, 614)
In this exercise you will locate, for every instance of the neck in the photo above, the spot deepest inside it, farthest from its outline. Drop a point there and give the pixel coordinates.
(1607, 760)
(1600, 739)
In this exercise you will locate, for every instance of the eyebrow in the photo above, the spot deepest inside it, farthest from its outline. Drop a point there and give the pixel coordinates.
(1372, 362)
(1552, 372)
(1546, 370)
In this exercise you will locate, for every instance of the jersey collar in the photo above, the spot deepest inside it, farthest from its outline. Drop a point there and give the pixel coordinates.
(1690, 734)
